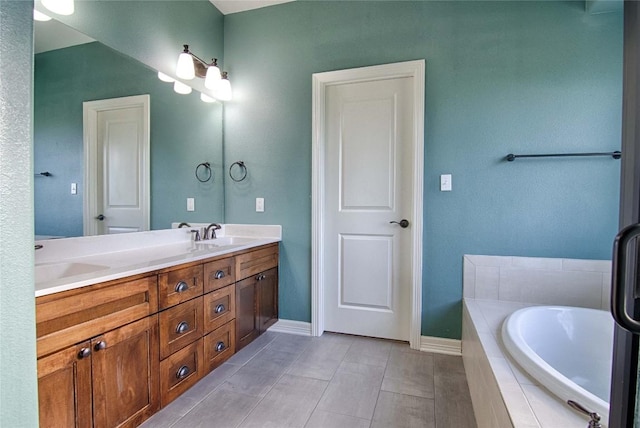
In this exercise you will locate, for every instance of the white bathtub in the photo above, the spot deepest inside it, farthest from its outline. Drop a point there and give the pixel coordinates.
(566, 349)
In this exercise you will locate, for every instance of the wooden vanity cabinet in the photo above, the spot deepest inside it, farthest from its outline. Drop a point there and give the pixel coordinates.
(115, 374)
(267, 299)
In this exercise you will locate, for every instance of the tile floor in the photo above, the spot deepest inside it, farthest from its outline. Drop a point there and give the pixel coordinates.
(282, 380)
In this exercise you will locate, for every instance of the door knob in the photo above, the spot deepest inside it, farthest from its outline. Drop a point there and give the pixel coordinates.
(100, 217)
(404, 223)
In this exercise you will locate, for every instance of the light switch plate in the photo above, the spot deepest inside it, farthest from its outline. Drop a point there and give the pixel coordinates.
(191, 204)
(74, 188)
(259, 205)
(445, 182)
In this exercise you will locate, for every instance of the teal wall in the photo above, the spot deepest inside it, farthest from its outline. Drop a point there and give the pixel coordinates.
(184, 132)
(501, 77)
(18, 378)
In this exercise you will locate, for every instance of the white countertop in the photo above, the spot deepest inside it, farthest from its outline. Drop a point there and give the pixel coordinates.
(65, 264)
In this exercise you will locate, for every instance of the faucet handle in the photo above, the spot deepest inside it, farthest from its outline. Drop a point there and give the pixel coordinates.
(195, 234)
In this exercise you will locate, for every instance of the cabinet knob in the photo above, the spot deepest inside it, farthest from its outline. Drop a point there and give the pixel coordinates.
(220, 346)
(220, 308)
(84, 353)
(219, 274)
(260, 277)
(100, 345)
(182, 327)
(181, 287)
(183, 372)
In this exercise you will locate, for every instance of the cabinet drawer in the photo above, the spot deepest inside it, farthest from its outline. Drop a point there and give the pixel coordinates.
(220, 345)
(181, 371)
(249, 264)
(66, 318)
(219, 308)
(219, 274)
(180, 325)
(179, 285)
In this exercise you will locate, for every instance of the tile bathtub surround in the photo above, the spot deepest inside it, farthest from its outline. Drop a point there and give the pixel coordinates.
(503, 394)
(284, 380)
(570, 282)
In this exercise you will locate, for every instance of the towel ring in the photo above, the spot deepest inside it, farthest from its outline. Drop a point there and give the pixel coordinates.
(208, 174)
(243, 169)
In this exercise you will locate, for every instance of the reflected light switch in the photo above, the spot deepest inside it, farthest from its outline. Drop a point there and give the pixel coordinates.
(445, 182)
(191, 204)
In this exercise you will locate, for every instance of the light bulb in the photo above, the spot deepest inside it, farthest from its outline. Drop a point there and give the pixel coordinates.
(185, 69)
(223, 88)
(39, 16)
(206, 98)
(61, 7)
(181, 88)
(213, 75)
(165, 78)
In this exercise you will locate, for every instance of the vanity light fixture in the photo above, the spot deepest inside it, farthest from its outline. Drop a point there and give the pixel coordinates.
(39, 16)
(190, 65)
(206, 98)
(181, 88)
(60, 7)
(223, 88)
(165, 78)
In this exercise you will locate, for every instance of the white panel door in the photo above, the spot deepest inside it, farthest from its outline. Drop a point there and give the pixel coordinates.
(368, 184)
(116, 146)
(120, 151)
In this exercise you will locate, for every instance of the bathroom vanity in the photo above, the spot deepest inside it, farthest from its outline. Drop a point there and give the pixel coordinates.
(117, 344)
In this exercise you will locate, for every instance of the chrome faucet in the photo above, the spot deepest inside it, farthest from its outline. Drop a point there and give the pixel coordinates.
(212, 227)
(196, 234)
(183, 224)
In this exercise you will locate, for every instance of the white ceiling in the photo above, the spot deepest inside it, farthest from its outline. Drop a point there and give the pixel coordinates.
(233, 6)
(51, 35)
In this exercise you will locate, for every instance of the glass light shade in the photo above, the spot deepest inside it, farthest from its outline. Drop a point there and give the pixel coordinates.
(165, 78)
(213, 77)
(61, 7)
(39, 16)
(181, 88)
(223, 90)
(185, 69)
(206, 98)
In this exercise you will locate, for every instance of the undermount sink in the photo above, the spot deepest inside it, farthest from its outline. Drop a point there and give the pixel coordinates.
(49, 272)
(226, 241)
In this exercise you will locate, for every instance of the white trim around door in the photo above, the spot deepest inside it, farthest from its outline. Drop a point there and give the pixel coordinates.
(416, 70)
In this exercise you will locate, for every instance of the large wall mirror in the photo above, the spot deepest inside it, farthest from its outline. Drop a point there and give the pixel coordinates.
(184, 132)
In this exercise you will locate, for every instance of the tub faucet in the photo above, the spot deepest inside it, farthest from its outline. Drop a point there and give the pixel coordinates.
(212, 227)
(595, 417)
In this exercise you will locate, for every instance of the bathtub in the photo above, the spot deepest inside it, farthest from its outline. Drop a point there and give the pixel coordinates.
(567, 349)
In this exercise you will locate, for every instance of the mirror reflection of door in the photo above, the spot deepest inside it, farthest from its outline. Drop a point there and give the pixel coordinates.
(116, 147)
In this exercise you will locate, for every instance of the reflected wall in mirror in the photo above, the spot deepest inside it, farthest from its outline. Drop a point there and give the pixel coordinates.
(184, 132)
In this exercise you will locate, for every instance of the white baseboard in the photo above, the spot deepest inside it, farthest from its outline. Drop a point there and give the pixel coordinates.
(441, 345)
(292, 327)
(436, 345)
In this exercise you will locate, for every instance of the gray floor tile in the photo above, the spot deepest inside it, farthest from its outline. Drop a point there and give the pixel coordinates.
(291, 343)
(364, 350)
(315, 367)
(272, 360)
(322, 419)
(410, 373)
(289, 403)
(351, 394)
(249, 351)
(445, 364)
(207, 384)
(221, 409)
(453, 401)
(251, 381)
(404, 411)
(372, 373)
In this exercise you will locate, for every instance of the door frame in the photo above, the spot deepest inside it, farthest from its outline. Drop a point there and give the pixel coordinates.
(321, 81)
(90, 110)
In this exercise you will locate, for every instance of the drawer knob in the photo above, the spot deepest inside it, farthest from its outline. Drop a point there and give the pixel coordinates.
(219, 274)
(220, 308)
(84, 353)
(182, 372)
(220, 346)
(100, 345)
(182, 327)
(260, 277)
(181, 287)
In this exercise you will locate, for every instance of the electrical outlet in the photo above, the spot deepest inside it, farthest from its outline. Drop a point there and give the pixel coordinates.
(191, 204)
(259, 205)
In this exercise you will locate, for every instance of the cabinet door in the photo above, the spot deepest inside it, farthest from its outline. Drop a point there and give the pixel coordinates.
(64, 388)
(126, 374)
(247, 327)
(267, 299)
